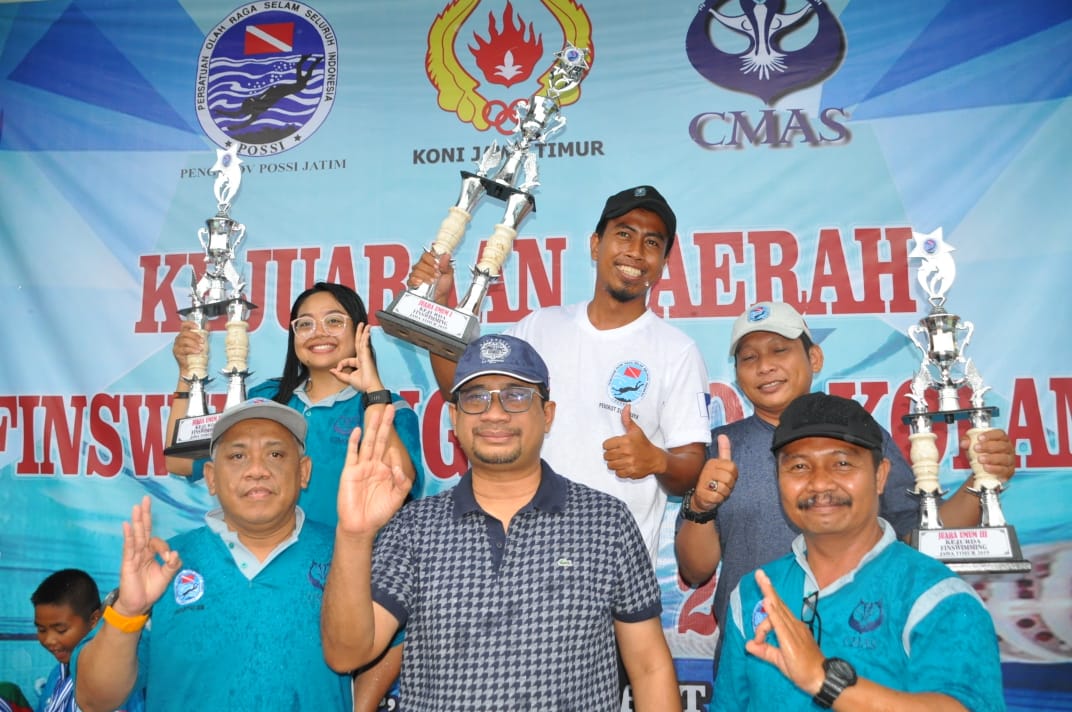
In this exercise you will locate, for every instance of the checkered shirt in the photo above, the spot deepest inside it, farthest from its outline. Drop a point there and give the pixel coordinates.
(516, 621)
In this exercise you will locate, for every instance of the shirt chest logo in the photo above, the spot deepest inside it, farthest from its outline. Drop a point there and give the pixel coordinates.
(189, 587)
(628, 382)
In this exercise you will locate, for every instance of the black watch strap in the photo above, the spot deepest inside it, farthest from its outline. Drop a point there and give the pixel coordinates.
(839, 675)
(375, 398)
(689, 515)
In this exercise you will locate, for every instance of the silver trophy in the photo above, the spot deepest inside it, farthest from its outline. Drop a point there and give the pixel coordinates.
(943, 338)
(508, 174)
(218, 292)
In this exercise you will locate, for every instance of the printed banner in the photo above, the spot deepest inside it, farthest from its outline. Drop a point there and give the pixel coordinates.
(801, 143)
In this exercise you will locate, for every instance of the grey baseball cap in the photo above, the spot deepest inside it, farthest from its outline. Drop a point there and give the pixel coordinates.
(776, 317)
(263, 408)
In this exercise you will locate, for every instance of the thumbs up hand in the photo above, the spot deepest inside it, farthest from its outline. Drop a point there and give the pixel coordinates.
(632, 455)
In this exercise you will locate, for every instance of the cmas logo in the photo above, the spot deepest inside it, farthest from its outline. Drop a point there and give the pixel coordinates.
(481, 70)
(266, 77)
(769, 49)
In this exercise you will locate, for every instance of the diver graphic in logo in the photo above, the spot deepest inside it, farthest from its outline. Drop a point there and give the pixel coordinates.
(266, 79)
(189, 587)
(629, 382)
(505, 57)
(765, 66)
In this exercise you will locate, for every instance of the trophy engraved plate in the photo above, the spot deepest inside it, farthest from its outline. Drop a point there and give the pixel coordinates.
(508, 174)
(218, 292)
(942, 338)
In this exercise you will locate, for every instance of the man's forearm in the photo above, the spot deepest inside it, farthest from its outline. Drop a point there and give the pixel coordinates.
(683, 465)
(107, 670)
(347, 622)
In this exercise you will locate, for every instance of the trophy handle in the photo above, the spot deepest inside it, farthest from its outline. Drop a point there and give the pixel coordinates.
(912, 332)
(969, 328)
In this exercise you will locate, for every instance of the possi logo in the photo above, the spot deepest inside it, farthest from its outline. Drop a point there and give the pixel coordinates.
(505, 52)
(266, 77)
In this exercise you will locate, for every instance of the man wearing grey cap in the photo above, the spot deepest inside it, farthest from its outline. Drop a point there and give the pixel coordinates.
(733, 517)
(235, 604)
(852, 618)
(516, 585)
(633, 420)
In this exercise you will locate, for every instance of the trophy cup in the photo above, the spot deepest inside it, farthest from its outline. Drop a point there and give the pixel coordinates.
(413, 316)
(993, 546)
(218, 292)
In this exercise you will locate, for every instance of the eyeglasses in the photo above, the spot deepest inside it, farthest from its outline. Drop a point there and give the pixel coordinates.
(513, 399)
(809, 614)
(332, 324)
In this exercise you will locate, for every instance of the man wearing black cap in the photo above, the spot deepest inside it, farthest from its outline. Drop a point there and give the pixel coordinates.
(237, 628)
(853, 618)
(516, 585)
(635, 422)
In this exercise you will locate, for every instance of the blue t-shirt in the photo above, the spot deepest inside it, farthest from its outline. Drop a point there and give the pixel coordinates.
(220, 641)
(901, 618)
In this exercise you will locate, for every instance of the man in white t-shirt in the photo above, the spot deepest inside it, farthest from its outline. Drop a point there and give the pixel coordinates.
(632, 409)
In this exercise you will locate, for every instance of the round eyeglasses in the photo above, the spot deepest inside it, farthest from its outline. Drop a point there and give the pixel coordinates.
(513, 399)
(332, 324)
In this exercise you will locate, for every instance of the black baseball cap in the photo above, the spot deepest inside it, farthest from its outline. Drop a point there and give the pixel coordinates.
(818, 415)
(642, 196)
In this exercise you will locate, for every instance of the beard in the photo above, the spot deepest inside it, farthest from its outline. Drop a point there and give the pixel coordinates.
(497, 458)
(623, 295)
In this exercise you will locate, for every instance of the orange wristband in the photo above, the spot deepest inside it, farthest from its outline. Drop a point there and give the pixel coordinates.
(127, 624)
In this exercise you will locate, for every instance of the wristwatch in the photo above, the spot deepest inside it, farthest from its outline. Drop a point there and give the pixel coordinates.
(697, 517)
(375, 398)
(839, 675)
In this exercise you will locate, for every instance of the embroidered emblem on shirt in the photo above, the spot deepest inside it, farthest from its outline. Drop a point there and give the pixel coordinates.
(564, 563)
(759, 614)
(866, 616)
(318, 575)
(189, 587)
(629, 381)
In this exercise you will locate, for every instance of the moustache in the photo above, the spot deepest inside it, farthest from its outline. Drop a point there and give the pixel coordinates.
(824, 499)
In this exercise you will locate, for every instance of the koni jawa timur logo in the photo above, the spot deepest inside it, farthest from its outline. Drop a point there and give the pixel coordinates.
(770, 51)
(506, 56)
(266, 77)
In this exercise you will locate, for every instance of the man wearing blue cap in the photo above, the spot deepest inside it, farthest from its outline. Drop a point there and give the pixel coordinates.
(852, 619)
(235, 619)
(516, 585)
(633, 421)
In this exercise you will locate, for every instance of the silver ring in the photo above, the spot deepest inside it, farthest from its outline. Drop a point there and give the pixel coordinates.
(713, 485)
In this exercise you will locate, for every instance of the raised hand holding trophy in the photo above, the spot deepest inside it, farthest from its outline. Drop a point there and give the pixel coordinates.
(413, 316)
(993, 546)
(218, 292)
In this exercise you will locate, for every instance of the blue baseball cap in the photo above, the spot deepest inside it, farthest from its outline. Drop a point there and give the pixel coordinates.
(502, 355)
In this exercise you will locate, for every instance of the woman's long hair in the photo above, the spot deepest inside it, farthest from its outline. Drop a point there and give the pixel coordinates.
(294, 371)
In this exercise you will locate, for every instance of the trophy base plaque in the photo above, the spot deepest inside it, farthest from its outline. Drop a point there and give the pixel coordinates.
(439, 329)
(973, 550)
(192, 437)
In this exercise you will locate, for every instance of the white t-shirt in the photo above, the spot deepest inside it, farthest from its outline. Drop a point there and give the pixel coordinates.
(647, 363)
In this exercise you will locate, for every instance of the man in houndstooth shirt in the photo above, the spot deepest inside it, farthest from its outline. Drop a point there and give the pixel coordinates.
(515, 585)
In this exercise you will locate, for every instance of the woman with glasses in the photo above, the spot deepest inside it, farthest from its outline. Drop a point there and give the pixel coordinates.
(330, 375)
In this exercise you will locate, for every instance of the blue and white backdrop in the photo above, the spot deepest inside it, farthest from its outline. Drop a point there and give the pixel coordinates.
(800, 159)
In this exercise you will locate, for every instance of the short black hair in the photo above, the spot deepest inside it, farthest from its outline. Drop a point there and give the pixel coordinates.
(69, 587)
